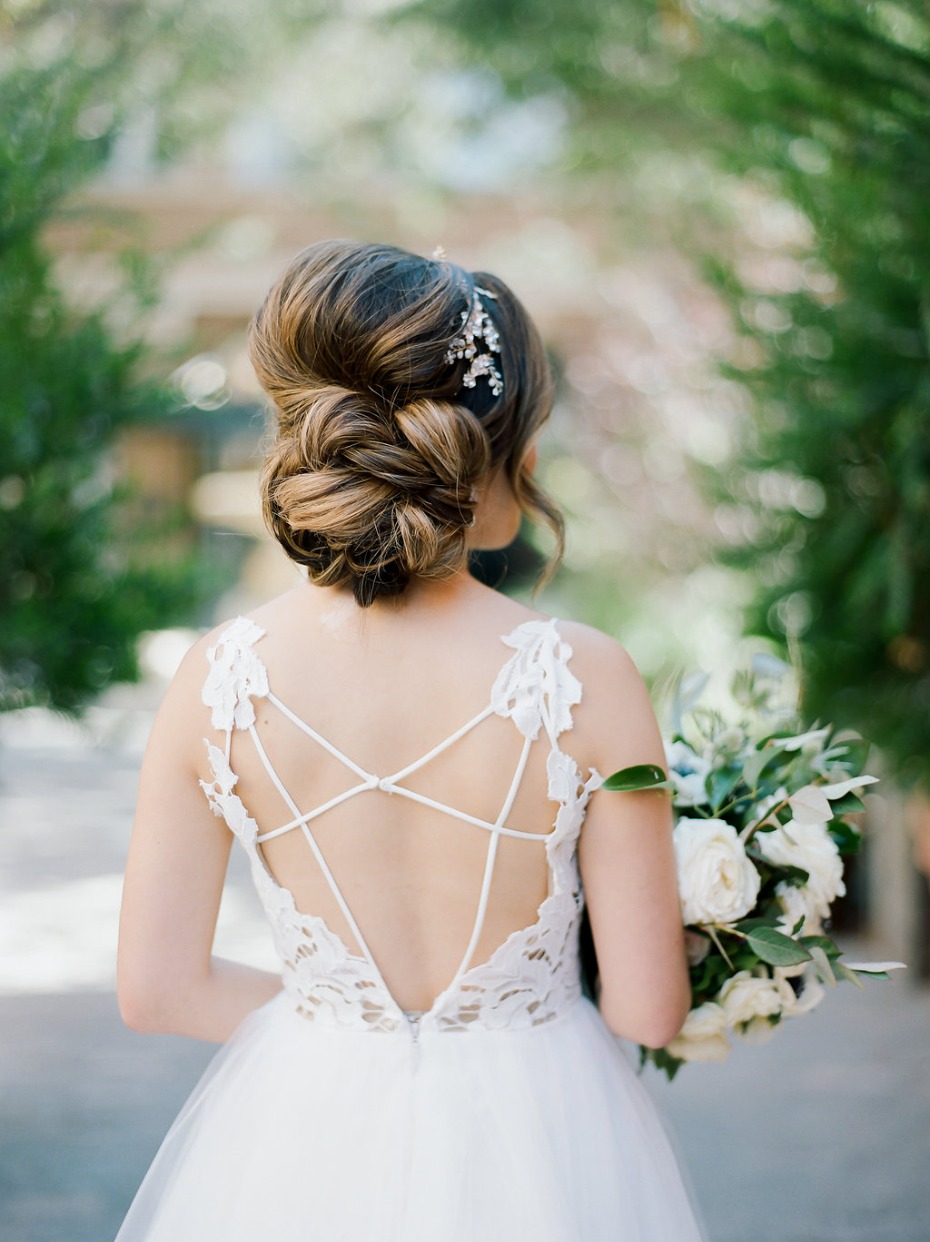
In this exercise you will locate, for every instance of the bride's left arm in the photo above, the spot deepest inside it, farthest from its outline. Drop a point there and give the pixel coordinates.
(625, 852)
(167, 978)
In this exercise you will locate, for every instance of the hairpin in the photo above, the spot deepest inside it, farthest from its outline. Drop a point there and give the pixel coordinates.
(477, 325)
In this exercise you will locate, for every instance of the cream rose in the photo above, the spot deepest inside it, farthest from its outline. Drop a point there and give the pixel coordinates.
(810, 847)
(716, 881)
(796, 1004)
(703, 1036)
(798, 903)
(748, 1001)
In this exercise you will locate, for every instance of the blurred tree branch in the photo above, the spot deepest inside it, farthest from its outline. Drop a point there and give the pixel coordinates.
(824, 105)
(82, 571)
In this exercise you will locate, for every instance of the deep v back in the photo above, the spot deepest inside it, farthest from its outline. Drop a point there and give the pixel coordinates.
(532, 975)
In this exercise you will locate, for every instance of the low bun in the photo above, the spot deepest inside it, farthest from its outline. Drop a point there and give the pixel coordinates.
(371, 498)
(378, 448)
(447, 438)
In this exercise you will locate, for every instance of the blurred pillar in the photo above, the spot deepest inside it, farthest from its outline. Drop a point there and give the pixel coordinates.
(897, 888)
(918, 820)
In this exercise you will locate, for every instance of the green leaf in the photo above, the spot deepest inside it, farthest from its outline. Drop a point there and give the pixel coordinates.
(830, 758)
(848, 839)
(857, 752)
(778, 735)
(708, 976)
(842, 972)
(639, 776)
(720, 783)
(756, 763)
(775, 948)
(751, 925)
(810, 806)
(795, 876)
(825, 966)
(662, 1060)
(768, 826)
(823, 943)
(849, 804)
(835, 790)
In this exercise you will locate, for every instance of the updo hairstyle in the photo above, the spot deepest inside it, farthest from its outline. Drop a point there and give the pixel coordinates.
(378, 448)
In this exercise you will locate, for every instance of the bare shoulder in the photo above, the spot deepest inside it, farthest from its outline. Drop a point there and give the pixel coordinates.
(192, 670)
(615, 723)
(183, 715)
(498, 611)
(602, 663)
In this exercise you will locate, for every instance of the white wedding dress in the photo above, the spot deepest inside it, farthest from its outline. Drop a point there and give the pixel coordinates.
(505, 1112)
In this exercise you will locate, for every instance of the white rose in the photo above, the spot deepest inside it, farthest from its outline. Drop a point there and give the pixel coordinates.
(748, 1002)
(798, 903)
(758, 1031)
(687, 771)
(796, 1004)
(716, 881)
(810, 847)
(703, 1037)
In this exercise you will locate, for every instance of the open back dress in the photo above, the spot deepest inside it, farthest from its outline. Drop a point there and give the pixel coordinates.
(504, 1112)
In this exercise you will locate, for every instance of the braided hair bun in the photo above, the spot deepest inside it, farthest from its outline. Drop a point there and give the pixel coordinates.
(378, 450)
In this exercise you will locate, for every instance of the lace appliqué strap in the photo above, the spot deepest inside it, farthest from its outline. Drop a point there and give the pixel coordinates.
(536, 686)
(236, 675)
(224, 802)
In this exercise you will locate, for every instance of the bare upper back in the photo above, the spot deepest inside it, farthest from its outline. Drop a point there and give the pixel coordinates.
(384, 688)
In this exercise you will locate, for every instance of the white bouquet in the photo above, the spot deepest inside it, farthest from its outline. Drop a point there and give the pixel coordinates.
(762, 809)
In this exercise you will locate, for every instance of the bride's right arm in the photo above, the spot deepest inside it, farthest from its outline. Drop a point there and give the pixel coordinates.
(626, 856)
(167, 979)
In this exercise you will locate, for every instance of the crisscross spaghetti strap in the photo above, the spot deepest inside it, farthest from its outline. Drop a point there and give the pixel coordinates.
(536, 691)
(453, 812)
(317, 737)
(389, 784)
(386, 783)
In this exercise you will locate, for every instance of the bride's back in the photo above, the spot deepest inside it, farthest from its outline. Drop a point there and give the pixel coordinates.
(385, 688)
(407, 395)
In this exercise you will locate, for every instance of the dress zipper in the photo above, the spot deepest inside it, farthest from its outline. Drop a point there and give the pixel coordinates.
(413, 1024)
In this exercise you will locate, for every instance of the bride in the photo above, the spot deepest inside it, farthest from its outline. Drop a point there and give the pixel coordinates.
(411, 762)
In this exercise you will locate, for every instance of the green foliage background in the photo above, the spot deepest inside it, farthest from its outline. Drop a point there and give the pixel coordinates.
(823, 105)
(820, 109)
(80, 574)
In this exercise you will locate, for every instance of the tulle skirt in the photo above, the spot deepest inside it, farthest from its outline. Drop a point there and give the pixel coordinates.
(302, 1134)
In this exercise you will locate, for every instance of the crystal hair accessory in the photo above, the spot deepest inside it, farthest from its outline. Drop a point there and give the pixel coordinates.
(477, 326)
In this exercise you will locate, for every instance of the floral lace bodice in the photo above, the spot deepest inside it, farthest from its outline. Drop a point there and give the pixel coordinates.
(533, 976)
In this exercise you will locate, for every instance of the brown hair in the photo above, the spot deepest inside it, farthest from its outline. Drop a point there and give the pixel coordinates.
(378, 447)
